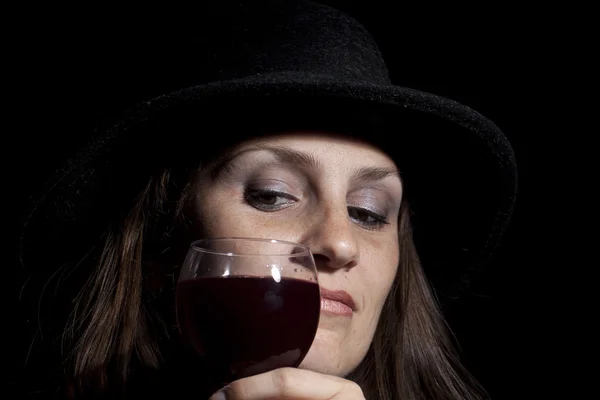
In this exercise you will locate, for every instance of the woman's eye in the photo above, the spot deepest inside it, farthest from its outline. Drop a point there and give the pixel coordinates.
(269, 200)
(366, 217)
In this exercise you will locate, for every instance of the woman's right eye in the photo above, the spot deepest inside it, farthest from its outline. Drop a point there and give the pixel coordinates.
(269, 200)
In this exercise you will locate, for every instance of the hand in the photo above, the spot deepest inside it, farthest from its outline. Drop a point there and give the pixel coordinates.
(290, 384)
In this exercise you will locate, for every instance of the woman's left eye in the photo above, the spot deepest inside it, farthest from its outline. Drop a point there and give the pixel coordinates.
(367, 217)
(269, 200)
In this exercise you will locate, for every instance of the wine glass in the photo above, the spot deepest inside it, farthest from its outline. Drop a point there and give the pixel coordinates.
(248, 305)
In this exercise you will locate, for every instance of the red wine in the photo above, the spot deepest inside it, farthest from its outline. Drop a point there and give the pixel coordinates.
(245, 325)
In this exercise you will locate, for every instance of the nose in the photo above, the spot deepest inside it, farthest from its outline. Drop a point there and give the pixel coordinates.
(332, 240)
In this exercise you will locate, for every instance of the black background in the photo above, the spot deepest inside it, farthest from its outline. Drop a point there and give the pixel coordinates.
(77, 66)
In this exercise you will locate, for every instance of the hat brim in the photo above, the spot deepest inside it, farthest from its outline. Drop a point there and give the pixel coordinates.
(458, 169)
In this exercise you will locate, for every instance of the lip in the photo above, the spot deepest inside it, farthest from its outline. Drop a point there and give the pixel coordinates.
(337, 302)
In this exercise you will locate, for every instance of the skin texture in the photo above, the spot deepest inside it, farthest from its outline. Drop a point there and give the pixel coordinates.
(339, 196)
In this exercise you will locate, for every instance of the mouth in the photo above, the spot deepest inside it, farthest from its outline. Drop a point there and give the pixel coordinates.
(337, 302)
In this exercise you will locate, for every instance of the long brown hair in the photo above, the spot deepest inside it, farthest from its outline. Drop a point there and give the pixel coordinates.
(113, 329)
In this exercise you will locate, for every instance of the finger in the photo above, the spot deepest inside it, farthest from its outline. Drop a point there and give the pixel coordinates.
(290, 384)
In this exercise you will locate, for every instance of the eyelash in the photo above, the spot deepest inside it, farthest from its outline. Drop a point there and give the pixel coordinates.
(378, 220)
(252, 196)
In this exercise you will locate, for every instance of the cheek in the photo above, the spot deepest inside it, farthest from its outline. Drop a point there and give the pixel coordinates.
(215, 209)
(379, 270)
(225, 213)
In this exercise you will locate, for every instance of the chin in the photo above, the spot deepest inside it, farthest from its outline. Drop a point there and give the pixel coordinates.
(328, 356)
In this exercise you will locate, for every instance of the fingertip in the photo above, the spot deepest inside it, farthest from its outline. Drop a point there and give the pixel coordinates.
(220, 395)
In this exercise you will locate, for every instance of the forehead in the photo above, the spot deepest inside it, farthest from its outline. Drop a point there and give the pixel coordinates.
(323, 145)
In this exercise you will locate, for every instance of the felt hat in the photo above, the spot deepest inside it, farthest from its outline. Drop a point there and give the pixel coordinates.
(281, 66)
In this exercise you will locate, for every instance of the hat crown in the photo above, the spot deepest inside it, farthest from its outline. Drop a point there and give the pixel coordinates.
(293, 36)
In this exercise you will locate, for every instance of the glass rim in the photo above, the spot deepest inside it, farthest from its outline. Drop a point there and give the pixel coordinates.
(196, 245)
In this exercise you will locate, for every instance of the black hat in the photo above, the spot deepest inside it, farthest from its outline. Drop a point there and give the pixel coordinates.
(283, 66)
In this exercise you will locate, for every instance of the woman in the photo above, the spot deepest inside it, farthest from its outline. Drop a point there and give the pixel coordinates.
(291, 130)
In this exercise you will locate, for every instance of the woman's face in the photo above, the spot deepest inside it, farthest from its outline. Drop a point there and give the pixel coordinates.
(338, 196)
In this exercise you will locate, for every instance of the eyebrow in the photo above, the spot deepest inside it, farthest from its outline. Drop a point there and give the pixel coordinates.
(308, 161)
(294, 157)
(375, 173)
